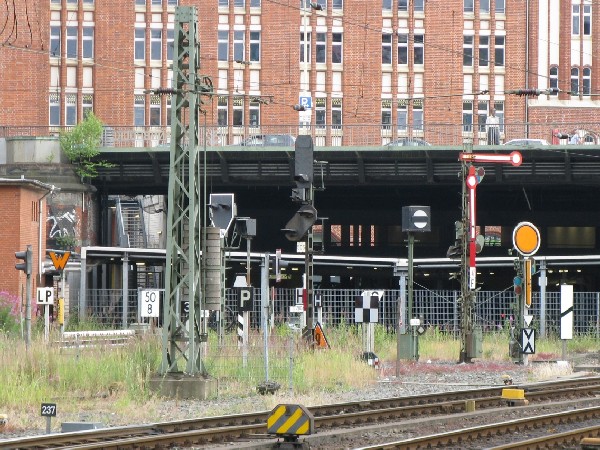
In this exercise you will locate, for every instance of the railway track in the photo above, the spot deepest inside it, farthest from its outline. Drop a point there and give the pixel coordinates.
(252, 426)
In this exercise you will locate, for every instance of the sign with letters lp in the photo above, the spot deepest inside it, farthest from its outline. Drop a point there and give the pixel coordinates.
(45, 296)
(149, 303)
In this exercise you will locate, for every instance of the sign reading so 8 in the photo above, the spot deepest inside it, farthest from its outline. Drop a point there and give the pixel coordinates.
(150, 300)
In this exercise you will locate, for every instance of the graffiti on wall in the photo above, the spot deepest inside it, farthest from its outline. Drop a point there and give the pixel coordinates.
(62, 222)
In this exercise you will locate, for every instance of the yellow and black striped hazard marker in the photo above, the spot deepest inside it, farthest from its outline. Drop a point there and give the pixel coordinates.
(290, 420)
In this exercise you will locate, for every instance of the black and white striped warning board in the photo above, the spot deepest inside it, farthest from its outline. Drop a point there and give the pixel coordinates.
(366, 307)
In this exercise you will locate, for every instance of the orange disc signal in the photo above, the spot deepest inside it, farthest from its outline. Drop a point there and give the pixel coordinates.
(526, 238)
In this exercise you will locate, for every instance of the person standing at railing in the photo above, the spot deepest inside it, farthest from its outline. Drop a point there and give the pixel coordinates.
(492, 127)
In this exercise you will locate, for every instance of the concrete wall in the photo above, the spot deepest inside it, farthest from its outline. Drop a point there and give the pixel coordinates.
(28, 149)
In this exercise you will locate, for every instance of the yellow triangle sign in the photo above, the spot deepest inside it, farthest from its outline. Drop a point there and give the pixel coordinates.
(319, 337)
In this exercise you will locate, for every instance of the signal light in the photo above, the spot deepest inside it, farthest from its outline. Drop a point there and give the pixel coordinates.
(518, 285)
(26, 256)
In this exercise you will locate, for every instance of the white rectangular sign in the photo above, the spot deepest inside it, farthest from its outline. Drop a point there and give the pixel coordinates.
(566, 311)
(149, 303)
(45, 296)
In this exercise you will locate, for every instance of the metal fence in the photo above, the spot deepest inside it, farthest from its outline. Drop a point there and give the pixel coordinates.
(440, 309)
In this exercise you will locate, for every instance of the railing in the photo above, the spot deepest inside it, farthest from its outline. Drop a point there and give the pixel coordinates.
(438, 134)
(437, 309)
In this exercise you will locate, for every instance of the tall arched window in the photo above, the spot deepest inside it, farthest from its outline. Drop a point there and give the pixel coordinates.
(575, 81)
(554, 78)
(587, 81)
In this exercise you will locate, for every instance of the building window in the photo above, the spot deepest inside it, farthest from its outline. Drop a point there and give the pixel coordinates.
(170, 44)
(484, 6)
(255, 46)
(336, 48)
(418, 115)
(254, 3)
(238, 111)
(419, 49)
(54, 103)
(155, 111)
(575, 18)
(173, 2)
(321, 48)
(467, 117)
(402, 116)
(70, 109)
(239, 3)
(320, 113)
(239, 38)
(156, 45)
(87, 47)
(386, 114)
(468, 6)
(169, 100)
(386, 48)
(484, 50)
(322, 4)
(304, 48)
(54, 41)
(587, 20)
(587, 81)
(140, 44)
(223, 45)
(224, 3)
(387, 5)
(554, 79)
(499, 51)
(337, 4)
(499, 107)
(402, 5)
(468, 51)
(482, 113)
(575, 81)
(254, 112)
(71, 42)
(87, 104)
(222, 107)
(140, 2)
(156, 2)
(419, 5)
(336, 113)
(499, 6)
(139, 110)
(403, 49)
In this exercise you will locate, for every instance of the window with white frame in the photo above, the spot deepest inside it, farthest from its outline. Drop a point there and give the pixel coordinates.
(70, 109)
(304, 47)
(337, 49)
(54, 110)
(419, 49)
(170, 44)
(223, 45)
(575, 81)
(55, 41)
(484, 50)
(156, 2)
(71, 42)
(254, 3)
(468, 6)
(386, 48)
(482, 113)
(239, 39)
(321, 48)
(337, 4)
(255, 46)
(87, 45)
(155, 110)
(239, 3)
(322, 4)
(386, 5)
(586, 80)
(139, 50)
(254, 112)
(484, 6)
(419, 5)
(554, 79)
(468, 51)
(169, 101)
(139, 110)
(499, 46)
(499, 6)
(224, 3)
(402, 49)
(140, 2)
(156, 45)
(418, 115)
(320, 112)
(222, 111)
(88, 2)
(336, 113)
(467, 116)
(499, 107)
(87, 104)
(238, 111)
(402, 5)
(173, 2)
(386, 114)
(587, 20)
(576, 17)
(402, 116)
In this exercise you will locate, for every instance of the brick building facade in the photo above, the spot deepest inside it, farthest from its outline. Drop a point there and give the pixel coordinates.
(403, 65)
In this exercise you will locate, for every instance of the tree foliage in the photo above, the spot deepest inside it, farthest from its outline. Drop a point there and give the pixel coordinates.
(81, 143)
